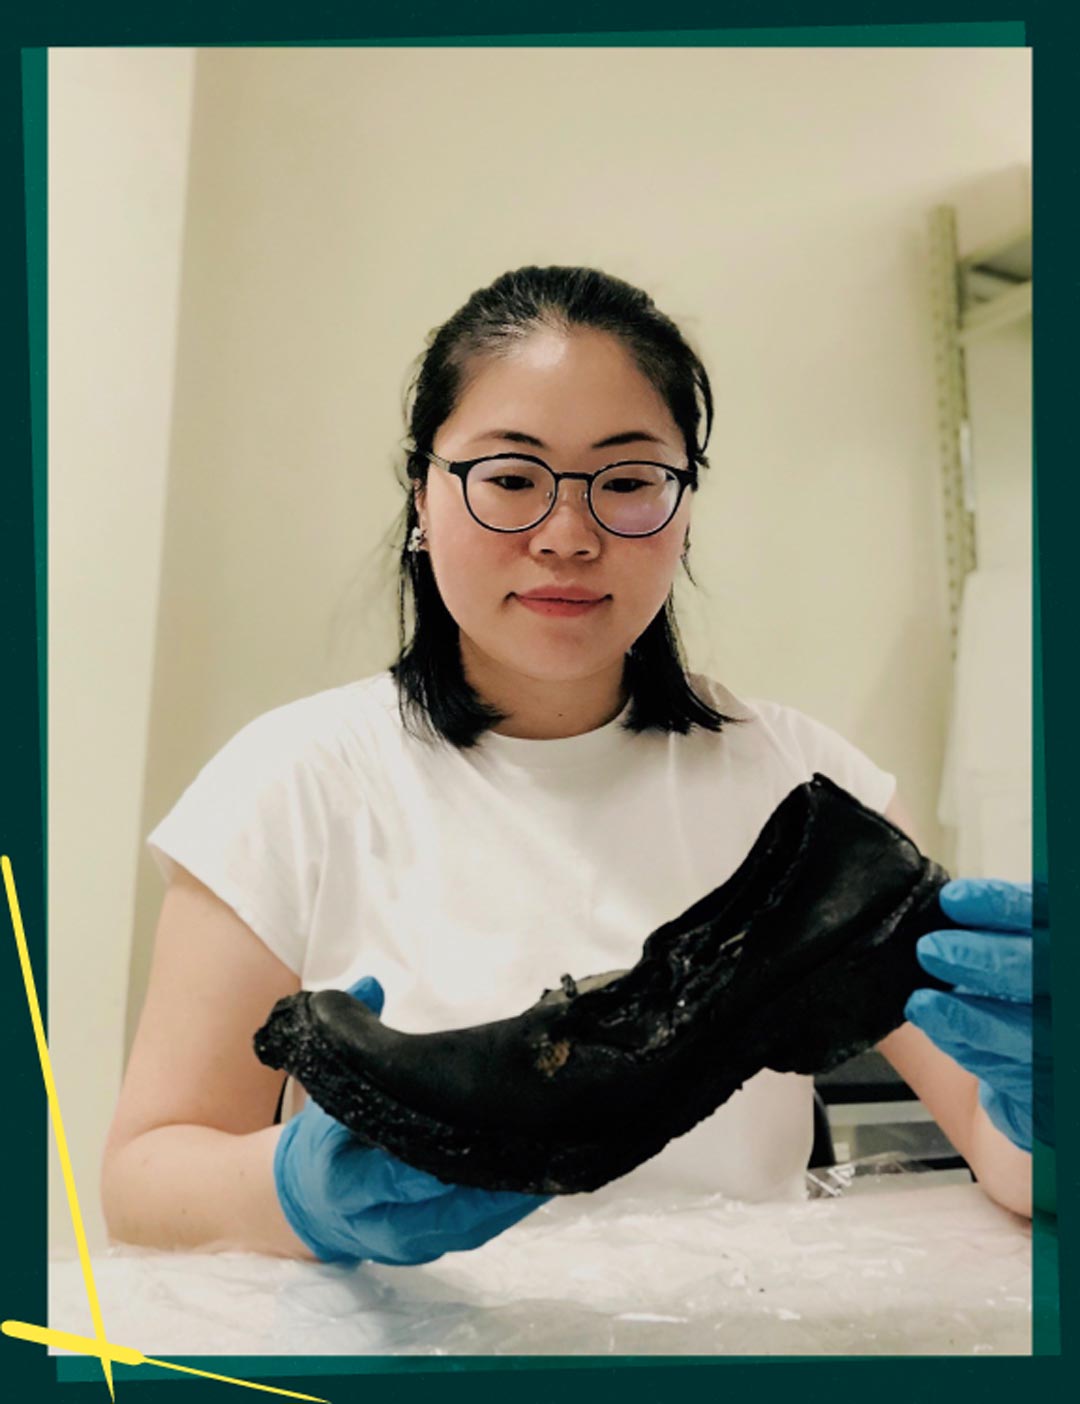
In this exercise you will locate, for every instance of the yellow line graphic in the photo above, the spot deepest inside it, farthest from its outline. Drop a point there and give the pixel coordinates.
(57, 1120)
(43, 1335)
(125, 1355)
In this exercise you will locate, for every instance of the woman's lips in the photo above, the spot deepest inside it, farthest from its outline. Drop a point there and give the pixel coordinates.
(557, 608)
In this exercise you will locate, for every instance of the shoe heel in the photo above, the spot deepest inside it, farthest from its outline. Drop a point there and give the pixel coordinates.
(857, 997)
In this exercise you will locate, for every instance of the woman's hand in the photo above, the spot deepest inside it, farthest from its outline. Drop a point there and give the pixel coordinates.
(350, 1202)
(194, 1160)
(985, 1022)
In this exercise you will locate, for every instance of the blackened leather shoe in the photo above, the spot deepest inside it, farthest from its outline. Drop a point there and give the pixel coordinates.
(803, 958)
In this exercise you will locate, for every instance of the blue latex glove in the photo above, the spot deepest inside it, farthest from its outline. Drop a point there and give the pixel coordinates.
(985, 1022)
(349, 1202)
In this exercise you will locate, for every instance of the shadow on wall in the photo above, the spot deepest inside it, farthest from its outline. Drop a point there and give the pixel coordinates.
(366, 609)
(989, 207)
(887, 731)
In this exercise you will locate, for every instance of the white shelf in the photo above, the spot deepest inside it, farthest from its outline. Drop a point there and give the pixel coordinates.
(993, 314)
(994, 285)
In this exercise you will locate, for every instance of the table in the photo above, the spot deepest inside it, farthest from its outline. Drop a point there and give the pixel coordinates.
(914, 1268)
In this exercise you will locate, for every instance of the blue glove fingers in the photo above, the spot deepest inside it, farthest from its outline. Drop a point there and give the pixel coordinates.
(360, 1176)
(989, 902)
(469, 1233)
(1010, 1115)
(983, 962)
(467, 1219)
(330, 1187)
(324, 1237)
(368, 991)
(473, 1215)
(972, 1030)
(350, 1202)
(993, 1041)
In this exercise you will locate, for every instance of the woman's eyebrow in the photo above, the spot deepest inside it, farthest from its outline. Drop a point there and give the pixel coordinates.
(517, 436)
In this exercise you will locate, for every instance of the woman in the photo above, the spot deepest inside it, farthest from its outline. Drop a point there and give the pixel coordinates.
(532, 788)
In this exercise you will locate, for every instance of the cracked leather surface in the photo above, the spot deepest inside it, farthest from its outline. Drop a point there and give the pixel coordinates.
(803, 958)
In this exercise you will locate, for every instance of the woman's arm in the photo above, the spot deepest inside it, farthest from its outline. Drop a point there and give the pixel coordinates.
(189, 1156)
(950, 1094)
(190, 1159)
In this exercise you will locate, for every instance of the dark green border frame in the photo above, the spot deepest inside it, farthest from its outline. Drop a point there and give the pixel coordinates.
(1052, 34)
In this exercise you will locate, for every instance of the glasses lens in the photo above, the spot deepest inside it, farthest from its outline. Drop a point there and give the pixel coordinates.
(509, 493)
(635, 498)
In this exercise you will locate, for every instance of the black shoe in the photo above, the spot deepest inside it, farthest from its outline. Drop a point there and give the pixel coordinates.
(803, 958)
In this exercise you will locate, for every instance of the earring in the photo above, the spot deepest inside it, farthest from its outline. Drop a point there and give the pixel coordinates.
(416, 538)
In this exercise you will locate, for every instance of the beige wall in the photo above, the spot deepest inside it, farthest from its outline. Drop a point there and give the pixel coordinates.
(999, 407)
(344, 202)
(118, 148)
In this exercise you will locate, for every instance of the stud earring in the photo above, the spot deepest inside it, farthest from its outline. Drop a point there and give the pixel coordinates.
(416, 538)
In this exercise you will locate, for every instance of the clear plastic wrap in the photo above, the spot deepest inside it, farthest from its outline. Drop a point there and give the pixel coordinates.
(915, 1267)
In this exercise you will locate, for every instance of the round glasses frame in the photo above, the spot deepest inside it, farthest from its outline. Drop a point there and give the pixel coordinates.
(685, 477)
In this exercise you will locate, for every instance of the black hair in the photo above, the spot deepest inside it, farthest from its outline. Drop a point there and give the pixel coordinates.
(435, 697)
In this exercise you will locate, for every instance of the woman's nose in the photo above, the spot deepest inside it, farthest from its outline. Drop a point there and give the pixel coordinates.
(570, 528)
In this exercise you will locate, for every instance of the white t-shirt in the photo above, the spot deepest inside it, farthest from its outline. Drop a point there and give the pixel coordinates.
(468, 881)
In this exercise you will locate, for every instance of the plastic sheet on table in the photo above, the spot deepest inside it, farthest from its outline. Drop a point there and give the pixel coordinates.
(875, 1172)
(921, 1268)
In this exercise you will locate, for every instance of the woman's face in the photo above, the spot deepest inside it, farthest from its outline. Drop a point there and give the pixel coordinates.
(568, 393)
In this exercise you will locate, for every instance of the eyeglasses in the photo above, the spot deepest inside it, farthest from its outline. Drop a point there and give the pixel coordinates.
(515, 492)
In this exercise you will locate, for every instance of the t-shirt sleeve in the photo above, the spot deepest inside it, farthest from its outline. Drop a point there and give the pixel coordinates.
(252, 827)
(827, 752)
